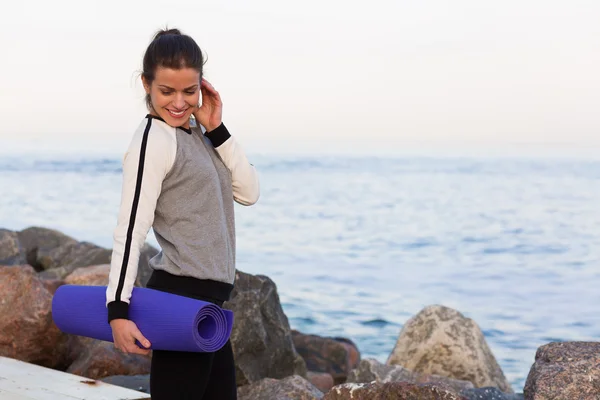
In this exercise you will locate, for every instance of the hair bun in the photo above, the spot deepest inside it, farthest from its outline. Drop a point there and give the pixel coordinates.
(165, 32)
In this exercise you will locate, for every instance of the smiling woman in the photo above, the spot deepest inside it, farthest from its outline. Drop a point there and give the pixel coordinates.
(172, 76)
(182, 181)
(174, 94)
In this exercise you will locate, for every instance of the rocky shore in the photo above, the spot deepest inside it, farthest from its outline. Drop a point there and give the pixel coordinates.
(439, 354)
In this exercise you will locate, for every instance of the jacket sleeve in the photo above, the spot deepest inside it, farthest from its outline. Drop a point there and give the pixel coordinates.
(246, 186)
(146, 162)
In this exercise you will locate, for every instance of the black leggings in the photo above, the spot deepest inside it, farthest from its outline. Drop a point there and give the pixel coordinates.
(177, 375)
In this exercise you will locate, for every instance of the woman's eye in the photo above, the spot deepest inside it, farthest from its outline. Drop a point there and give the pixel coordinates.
(190, 93)
(165, 93)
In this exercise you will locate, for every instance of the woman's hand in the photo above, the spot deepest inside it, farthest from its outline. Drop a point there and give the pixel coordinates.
(125, 333)
(209, 114)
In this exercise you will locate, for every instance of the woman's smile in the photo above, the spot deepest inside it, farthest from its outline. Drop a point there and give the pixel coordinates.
(177, 114)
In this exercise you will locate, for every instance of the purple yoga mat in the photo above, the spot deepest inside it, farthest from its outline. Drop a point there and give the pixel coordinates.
(168, 321)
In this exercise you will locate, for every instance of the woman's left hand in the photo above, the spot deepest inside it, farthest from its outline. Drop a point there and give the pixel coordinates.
(210, 113)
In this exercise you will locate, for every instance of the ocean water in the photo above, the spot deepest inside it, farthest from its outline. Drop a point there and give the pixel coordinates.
(358, 245)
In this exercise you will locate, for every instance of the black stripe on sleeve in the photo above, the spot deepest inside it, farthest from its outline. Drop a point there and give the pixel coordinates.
(136, 200)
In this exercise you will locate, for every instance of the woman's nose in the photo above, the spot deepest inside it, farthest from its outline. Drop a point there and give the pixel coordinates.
(179, 102)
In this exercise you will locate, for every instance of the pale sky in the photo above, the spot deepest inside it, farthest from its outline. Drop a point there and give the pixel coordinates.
(324, 74)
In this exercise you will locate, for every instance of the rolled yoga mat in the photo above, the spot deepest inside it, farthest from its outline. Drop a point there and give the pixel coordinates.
(168, 321)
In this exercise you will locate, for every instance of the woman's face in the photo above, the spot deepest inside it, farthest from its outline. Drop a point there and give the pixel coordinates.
(175, 94)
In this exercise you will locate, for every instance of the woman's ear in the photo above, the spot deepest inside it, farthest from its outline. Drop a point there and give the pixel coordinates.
(146, 85)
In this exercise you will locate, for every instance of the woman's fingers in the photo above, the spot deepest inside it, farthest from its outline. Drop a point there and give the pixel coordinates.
(133, 348)
(126, 342)
(208, 87)
(135, 332)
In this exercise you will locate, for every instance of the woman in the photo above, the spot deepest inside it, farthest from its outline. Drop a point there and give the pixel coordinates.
(182, 181)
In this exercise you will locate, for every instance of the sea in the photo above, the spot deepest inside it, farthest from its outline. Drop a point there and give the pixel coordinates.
(357, 245)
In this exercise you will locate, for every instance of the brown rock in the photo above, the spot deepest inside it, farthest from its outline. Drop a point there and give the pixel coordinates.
(322, 380)
(261, 337)
(52, 284)
(57, 255)
(61, 261)
(353, 352)
(324, 355)
(28, 332)
(11, 252)
(95, 275)
(36, 240)
(565, 371)
(390, 391)
(101, 359)
(78, 345)
(291, 388)
(370, 370)
(441, 341)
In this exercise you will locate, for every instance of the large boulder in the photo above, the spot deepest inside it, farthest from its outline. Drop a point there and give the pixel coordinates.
(56, 255)
(489, 393)
(94, 275)
(370, 370)
(101, 359)
(352, 348)
(441, 341)
(29, 333)
(11, 252)
(97, 275)
(323, 354)
(291, 388)
(568, 370)
(261, 337)
(37, 241)
(60, 261)
(389, 391)
(322, 380)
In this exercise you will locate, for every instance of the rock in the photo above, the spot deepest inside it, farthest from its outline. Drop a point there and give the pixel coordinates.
(95, 275)
(61, 261)
(52, 284)
(11, 252)
(489, 393)
(322, 380)
(353, 353)
(141, 383)
(441, 341)
(144, 270)
(569, 370)
(323, 354)
(101, 359)
(36, 240)
(57, 255)
(29, 333)
(370, 370)
(291, 388)
(261, 338)
(390, 391)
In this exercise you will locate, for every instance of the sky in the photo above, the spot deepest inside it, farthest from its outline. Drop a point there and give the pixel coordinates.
(320, 76)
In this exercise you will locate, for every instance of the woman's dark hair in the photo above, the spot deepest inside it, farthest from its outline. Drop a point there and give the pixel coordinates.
(171, 49)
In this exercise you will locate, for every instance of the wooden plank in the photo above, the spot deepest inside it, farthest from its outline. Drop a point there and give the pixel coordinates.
(4, 395)
(24, 381)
